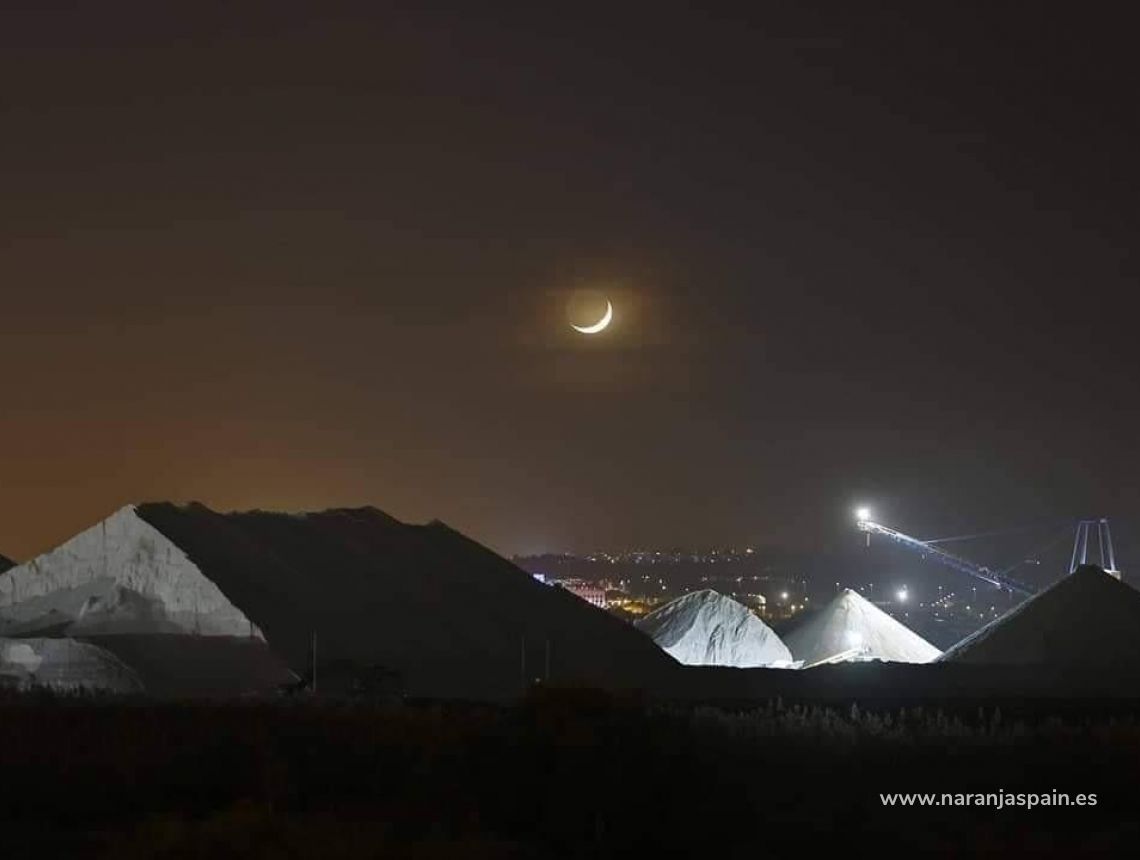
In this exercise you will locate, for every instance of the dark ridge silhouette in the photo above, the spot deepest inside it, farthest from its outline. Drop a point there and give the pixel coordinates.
(1086, 619)
(172, 666)
(448, 615)
(6, 563)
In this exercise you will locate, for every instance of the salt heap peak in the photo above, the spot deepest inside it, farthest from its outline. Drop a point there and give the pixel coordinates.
(120, 576)
(201, 603)
(451, 618)
(704, 628)
(1087, 619)
(850, 627)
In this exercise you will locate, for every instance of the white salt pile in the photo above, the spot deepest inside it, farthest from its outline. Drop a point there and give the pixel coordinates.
(705, 628)
(64, 664)
(852, 628)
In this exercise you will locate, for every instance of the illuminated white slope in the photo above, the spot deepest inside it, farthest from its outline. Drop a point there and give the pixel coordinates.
(120, 576)
(854, 627)
(705, 628)
(64, 664)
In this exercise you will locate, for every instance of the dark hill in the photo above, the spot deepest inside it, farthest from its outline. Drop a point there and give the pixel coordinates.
(450, 616)
(6, 563)
(1086, 619)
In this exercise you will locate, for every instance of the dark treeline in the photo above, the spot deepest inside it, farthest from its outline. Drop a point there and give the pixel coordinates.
(563, 774)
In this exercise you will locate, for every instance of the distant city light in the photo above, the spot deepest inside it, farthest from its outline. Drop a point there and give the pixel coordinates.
(902, 595)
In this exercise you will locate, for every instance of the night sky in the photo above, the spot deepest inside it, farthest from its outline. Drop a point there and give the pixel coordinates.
(298, 257)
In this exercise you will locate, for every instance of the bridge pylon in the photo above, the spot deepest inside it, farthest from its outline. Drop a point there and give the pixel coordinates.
(1103, 545)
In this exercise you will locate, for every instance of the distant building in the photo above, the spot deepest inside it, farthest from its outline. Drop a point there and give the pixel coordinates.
(589, 592)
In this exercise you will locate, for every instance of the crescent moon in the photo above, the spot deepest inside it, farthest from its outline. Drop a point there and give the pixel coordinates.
(599, 325)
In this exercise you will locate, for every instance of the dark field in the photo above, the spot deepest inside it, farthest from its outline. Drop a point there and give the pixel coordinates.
(563, 774)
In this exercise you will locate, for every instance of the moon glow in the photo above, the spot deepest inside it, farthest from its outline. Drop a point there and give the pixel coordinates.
(600, 325)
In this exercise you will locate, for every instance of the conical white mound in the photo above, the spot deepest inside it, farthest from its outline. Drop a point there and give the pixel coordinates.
(852, 628)
(705, 628)
(64, 664)
(121, 576)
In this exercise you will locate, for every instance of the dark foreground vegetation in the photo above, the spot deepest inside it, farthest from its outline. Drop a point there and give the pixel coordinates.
(563, 774)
